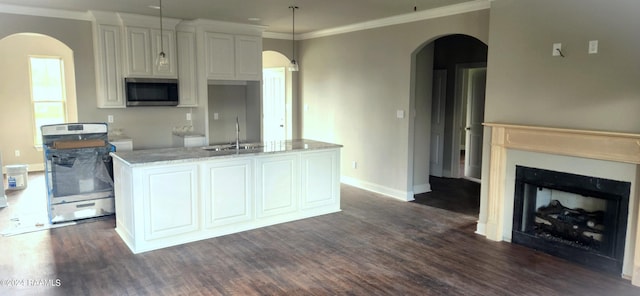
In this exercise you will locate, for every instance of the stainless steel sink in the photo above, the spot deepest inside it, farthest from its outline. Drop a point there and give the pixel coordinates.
(230, 147)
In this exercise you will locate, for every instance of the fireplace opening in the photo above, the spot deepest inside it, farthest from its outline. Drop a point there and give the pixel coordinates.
(579, 218)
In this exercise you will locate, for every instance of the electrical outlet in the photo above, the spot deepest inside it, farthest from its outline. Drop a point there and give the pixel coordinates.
(593, 46)
(17, 153)
(354, 164)
(110, 118)
(216, 116)
(189, 116)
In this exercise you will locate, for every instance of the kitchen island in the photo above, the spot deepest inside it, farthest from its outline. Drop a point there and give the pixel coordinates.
(167, 197)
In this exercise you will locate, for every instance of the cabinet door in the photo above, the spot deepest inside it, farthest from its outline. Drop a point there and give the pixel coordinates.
(109, 82)
(187, 71)
(227, 192)
(277, 182)
(170, 199)
(248, 57)
(320, 179)
(138, 52)
(220, 56)
(167, 44)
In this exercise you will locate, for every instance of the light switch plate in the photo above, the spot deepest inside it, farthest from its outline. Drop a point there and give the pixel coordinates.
(400, 113)
(557, 48)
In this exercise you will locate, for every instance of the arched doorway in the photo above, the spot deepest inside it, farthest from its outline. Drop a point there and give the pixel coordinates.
(449, 86)
(29, 100)
(277, 98)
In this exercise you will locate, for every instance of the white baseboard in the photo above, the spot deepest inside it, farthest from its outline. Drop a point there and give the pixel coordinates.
(390, 192)
(481, 229)
(422, 188)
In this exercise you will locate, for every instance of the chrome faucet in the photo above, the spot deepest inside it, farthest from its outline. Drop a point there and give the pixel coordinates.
(237, 134)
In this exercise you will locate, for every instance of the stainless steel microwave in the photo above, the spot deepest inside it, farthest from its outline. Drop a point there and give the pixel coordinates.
(151, 92)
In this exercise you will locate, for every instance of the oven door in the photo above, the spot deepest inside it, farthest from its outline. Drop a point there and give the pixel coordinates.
(80, 174)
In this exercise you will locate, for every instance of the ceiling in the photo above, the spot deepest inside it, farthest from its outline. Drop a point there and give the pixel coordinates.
(312, 15)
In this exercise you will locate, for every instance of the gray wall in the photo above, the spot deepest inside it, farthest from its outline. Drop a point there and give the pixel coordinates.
(526, 85)
(354, 83)
(229, 101)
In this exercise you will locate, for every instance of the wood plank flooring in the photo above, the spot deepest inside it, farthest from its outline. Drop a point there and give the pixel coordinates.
(375, 246)
(456, 195)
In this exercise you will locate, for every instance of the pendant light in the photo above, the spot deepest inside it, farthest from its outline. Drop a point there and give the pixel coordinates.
(293, 66)
(162, 60)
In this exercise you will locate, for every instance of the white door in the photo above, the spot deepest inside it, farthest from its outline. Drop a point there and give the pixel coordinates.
(273, 107)
(475, 116)
(437, 122)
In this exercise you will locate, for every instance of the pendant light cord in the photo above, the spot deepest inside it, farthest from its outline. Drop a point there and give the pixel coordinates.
(161, 39)
(293, 33)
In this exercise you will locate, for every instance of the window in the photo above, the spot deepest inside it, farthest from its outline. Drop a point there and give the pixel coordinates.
(48, 95)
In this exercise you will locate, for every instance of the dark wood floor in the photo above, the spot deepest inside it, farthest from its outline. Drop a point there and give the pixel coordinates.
(456, 195)
(375, 246)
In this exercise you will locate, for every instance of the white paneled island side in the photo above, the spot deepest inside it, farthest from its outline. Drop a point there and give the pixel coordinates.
(167, 197)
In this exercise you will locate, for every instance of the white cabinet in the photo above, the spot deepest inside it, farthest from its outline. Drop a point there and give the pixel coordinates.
(277, 182)
(138, 51)
(227, 191)
(162, 203)
(320, 179)
(108, 63)
(170, 201)
(248, 57)
(143, 46)
(220, 56)
(187, 71)
(233, 57)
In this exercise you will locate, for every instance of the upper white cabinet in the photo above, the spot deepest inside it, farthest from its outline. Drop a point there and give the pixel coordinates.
(144, 47)
(220, 56)
(233, 57)
(143, 43)
(128, 45)
(248, 60)
(227, 51)
(107, 40)
(187, 68)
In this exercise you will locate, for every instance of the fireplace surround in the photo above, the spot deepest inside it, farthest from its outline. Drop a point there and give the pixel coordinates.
(508, 141)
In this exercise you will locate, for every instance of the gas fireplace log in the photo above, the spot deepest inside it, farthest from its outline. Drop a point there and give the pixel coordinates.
(571, 224)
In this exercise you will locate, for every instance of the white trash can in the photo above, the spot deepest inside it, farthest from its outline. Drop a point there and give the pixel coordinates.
(17, 176)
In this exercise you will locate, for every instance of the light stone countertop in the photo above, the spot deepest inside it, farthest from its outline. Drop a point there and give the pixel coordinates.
(182, 155)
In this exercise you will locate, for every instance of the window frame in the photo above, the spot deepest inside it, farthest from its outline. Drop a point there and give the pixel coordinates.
(37, 140)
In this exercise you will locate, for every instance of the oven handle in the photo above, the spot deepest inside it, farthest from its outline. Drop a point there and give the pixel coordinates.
(86, 205)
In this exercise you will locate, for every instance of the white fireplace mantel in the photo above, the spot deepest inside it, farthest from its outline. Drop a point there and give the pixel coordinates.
(609, 146)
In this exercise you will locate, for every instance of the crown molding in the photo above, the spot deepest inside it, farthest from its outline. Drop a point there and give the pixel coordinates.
(465, 7)
(46, 12)
(401, 19)
(273, 35)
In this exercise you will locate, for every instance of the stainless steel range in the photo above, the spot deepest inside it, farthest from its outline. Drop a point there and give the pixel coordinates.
(78, 171)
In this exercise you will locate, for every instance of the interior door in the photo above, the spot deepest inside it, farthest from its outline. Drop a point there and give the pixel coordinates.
(475, 117)
(437, 122)
(274, 104)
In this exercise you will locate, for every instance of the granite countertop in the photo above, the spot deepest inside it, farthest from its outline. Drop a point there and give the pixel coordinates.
(180, 155)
